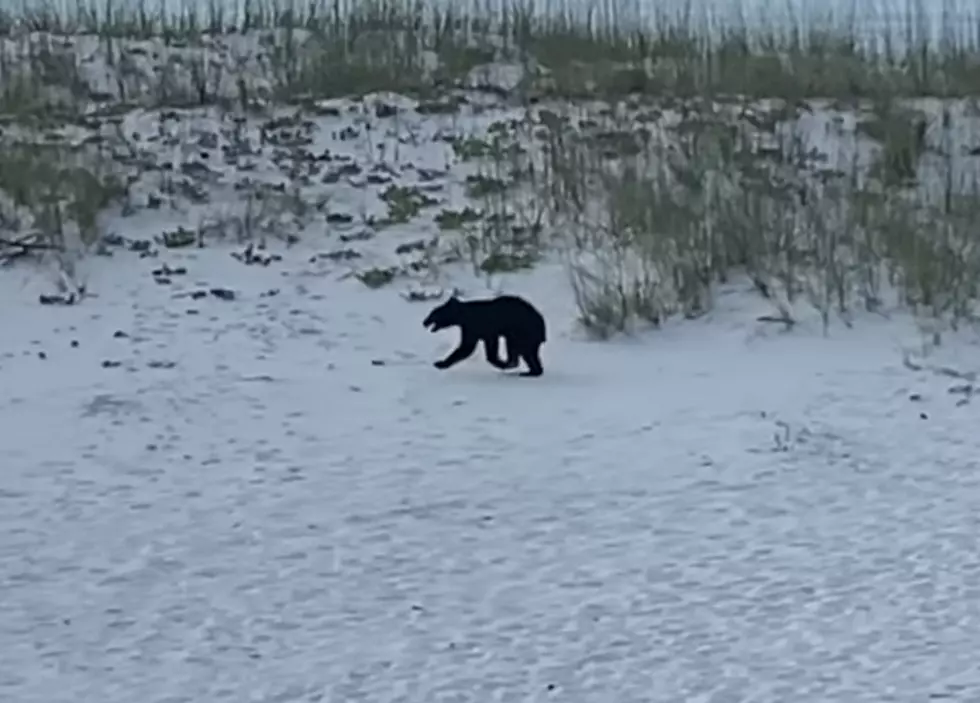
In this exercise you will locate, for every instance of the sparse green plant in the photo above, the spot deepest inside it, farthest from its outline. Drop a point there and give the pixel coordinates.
(179, 238)
(377, 277)
(405, 203)
(450, 220)
(480, 186)
(471, 148)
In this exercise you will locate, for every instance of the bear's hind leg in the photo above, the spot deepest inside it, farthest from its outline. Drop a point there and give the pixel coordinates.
(532, 357)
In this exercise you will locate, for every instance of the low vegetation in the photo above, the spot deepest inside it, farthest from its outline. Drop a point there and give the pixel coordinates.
(833, 170)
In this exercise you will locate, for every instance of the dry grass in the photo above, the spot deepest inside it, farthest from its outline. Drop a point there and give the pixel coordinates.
(839, 224)
(698, 166)
(327, 49)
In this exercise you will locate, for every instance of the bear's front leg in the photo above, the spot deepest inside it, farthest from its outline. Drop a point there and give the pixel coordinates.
(492, 347)
(466, 347)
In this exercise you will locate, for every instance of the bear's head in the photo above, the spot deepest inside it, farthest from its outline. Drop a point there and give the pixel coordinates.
(446, 315)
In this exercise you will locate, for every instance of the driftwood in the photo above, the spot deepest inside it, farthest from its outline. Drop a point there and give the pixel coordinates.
(12, 248)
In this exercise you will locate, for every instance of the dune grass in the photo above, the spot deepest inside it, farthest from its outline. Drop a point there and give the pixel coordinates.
(391, 45)
(676, 152)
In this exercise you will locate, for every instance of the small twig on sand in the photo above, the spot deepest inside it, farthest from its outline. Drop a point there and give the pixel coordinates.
(25, 244)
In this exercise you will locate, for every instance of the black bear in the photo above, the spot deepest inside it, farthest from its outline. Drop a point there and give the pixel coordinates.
(507, 316)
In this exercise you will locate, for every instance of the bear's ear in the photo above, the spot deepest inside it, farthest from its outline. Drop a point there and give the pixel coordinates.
(454, 296)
